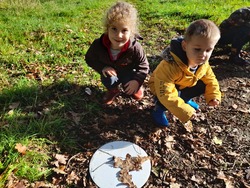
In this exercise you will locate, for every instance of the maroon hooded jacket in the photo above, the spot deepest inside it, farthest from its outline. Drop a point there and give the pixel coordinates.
(131, 58)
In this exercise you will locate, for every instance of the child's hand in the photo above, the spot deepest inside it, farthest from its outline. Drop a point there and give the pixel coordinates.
(214, 102)
(108, 71)
(131, 87)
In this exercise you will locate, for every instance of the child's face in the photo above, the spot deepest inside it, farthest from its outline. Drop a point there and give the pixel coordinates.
(198, 49)
(119, 34)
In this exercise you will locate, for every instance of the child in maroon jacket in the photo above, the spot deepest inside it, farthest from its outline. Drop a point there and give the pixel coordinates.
(118, 56)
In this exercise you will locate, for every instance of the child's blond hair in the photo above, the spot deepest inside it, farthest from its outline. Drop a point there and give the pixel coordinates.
(122, 12)
(204, 28)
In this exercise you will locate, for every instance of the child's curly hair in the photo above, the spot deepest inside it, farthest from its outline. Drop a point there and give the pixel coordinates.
(122, 12)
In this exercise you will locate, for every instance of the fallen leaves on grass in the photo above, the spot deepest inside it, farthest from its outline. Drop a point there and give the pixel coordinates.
(60, 164)
(20, 148)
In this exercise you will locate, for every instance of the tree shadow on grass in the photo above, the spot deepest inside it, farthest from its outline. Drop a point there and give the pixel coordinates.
(74, 121)
(66, 114)
(78, 124)
(45, 111)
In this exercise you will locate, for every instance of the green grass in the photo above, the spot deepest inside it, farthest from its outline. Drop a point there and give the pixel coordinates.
(43, 72)
(32, 165)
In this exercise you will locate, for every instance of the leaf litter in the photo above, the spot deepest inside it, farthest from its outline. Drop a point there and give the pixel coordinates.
(214, 152)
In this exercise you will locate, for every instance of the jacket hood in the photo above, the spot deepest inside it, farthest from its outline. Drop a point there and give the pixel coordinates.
(174, 52)
(177, 50)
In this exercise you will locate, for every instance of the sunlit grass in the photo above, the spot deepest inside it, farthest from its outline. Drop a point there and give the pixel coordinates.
(43, 71)
(33, 165)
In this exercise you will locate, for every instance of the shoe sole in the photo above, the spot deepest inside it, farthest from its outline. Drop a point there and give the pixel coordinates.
(111, 101)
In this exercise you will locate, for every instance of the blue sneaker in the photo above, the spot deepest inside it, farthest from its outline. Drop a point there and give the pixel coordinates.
(193, 104)
(159, 116)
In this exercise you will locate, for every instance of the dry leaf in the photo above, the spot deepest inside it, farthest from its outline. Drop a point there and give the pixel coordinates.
(59, 171)
(226, 179)
(118, 162)
(20, 148)
(248, 174)
(20, 184)
(11, 112)
(76, 117)
(235, 106)
(196, 179)
(169, 142)
(61, 158)
(109, 119)
(126, 178)
(217, 141)
(72, 177)
(127, 165)
(169, 138)
(14, 105)
(175, 185)
(188, 126)
(232, 153)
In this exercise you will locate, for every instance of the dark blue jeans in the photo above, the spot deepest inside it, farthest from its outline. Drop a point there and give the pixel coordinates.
(122, 78)
(189, 92)
(236, 36)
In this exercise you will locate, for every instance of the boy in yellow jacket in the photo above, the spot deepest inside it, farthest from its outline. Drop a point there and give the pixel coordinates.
(185, 73)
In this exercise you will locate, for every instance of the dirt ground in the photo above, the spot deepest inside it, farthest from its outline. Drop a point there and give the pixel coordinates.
(216, 153)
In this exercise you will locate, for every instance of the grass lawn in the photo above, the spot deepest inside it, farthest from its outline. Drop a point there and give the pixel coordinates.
(42, 48)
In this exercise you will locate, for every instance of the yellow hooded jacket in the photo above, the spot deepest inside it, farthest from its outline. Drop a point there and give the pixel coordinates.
(174, 72)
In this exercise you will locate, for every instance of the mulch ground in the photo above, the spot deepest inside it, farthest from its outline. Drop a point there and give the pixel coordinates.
(215, 154)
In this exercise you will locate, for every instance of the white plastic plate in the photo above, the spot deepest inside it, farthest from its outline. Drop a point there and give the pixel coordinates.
(103, 172)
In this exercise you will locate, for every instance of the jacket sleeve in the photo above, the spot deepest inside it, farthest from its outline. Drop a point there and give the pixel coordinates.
(164, 78)
(212, 90)
(141, 65)
(92, 56)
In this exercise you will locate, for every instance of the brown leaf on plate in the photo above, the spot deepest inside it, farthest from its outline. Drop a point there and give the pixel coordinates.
(127, 165)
